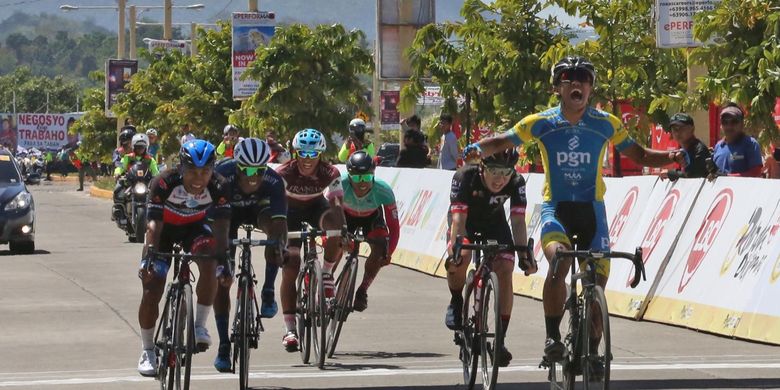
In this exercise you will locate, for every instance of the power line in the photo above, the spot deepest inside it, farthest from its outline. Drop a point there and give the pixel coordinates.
(20, 3)
(214, 17)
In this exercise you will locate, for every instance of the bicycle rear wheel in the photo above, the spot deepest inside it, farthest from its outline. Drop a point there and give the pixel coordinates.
(342, 305)
(596, 351)
(319, 317)
(303, 320)
(468, 345)
(491, 335)
(245, 325)
(162, 340)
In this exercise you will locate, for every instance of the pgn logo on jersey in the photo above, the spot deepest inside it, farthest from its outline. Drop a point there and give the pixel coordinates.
(572, 159)
(705, 237)
(574, 142)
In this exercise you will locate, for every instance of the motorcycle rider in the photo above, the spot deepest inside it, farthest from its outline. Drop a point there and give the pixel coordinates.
(140, 144)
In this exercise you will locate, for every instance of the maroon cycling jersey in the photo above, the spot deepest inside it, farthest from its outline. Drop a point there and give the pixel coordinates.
(170, 203)
(326, 181)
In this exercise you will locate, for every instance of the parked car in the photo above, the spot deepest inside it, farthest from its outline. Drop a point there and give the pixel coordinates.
(387, 155)
(17, 212)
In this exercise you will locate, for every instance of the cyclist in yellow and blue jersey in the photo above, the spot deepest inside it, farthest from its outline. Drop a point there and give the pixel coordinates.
(573, 138)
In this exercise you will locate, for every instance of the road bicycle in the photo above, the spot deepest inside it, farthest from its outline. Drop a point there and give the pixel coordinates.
(174, 339)
(247, 325)
(481, 335)
(341, 304)
(588, 345)
(311, 304)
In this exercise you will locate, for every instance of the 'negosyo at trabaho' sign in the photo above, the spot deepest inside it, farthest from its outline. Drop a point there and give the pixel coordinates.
(45, 131)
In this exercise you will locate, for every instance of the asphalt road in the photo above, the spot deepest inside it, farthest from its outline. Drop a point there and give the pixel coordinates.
(68, 321)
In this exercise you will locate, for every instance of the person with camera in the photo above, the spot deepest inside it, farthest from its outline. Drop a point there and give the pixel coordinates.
(356, 141)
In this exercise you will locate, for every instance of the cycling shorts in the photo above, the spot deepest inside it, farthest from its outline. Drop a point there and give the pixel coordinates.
(499, 231)
(311, 214)
(562, 221)
(193, 238)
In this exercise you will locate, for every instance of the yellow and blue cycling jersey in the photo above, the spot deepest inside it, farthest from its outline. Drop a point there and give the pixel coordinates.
(572, 153)
(574, 188)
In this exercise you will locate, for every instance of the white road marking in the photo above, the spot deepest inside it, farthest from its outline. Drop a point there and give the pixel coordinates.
(369, 373)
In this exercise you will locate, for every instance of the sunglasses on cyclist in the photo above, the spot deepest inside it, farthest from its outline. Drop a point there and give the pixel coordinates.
(251, 171)
(362, 178)
(499, 171)
(580, 75)
(308, 153)
(731, 121)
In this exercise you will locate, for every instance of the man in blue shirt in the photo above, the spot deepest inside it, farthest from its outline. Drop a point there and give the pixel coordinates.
(737, 154)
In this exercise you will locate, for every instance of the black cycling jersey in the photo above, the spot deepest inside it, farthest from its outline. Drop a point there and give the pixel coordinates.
(469, 195)
(271, 193)
(170, 203)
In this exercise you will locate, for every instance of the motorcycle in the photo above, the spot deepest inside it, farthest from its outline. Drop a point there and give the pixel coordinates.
(35, 171)
(136, 188)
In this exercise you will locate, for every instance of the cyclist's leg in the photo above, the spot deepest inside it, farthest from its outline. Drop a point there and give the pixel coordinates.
(378, 243)
(456, 279)
(290, 269)
(200, 241)
(148, 310)
(554, 238)
(327, 218)
(600, 242)
(504, 266)
(275, 227)
(222, 308)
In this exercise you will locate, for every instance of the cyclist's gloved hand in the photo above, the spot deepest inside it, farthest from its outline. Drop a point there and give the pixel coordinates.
(152, 267)
(526, 263)
(455, 258)
(224, 269)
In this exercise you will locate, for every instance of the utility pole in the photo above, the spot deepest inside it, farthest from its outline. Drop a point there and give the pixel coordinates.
(168, 21)
(193, 34)
(252, 5)
(120, 47)
(133, 16)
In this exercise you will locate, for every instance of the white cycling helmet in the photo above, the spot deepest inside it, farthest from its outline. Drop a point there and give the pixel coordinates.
(140, 139)
(309, 139)
(252, 152)
(151, 131)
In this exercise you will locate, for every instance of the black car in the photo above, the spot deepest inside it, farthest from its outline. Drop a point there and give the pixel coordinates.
(387, 155)
(17, 209)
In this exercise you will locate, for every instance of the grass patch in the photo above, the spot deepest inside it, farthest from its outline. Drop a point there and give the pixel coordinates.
(105, 183)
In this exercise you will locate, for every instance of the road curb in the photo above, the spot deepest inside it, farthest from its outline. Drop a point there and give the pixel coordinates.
(100, 193)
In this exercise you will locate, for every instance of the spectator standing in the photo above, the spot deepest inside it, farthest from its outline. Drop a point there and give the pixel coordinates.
(449, 153)
(84, 165)
(737, 154)
(229, 139)
(154, 144)
(356, 141)
(413, 150)
(681, 127)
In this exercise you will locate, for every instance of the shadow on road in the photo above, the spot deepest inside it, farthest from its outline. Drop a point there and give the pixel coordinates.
(37, 252)
(385, 355)
(649, 384)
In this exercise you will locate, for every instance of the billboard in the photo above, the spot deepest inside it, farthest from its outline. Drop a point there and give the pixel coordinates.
(46, 131)
(674, 21)
(181, 46)
(118, 74)
(250, 31)
(389, 114)
(8, 130)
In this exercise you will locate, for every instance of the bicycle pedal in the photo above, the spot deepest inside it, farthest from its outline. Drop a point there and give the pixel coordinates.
(201, 347)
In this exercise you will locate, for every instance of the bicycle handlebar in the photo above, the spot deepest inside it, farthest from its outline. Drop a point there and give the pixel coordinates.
(250, 242)
(590, 256)
(494, 246)
(179, 255)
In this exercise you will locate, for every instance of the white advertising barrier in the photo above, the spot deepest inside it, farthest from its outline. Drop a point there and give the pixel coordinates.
(532, 285)
(721, 268)
(422, 197)
(655, 230)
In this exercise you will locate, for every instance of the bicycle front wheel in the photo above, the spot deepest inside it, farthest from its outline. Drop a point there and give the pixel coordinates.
(342, 305)
(188, 340)
(491, 334)
(303, 319)
(162, 340)
(246, 319)
(468, 344)
(562, 374)
(319, 318)
(597, 353)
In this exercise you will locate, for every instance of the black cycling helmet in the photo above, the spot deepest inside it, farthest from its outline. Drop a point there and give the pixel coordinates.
(127, 133)
(505, 159)
(357, 128)
(360, 163)
(572, 63)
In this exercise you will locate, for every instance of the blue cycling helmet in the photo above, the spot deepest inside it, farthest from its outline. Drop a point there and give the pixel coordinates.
(309, 139)
(197, 153)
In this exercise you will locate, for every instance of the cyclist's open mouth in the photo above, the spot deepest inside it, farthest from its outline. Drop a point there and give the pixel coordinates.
(576, 95)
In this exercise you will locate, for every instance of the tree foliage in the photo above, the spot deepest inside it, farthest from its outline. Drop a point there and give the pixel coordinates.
(494, 56)
(98, 133)
(743, 58)
(178, 94)
(31, 92)
(308, 78)
(628, 63)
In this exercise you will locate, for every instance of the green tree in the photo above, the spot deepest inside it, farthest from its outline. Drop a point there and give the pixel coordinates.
(629, 65)
(31, 92)
(177, 92)
(307, 78)
(743, 59)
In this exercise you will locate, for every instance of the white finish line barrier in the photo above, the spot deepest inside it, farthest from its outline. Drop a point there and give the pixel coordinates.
(711, 249)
